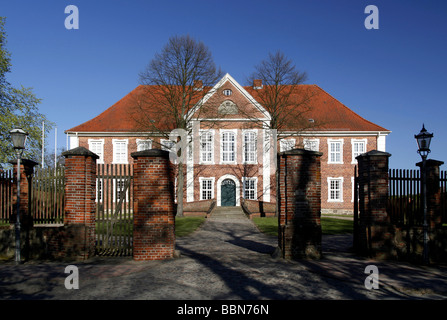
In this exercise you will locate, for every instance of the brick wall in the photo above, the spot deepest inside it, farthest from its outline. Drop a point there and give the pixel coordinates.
(374, 229)
(299, 204)
(77, 239)
(154, 210)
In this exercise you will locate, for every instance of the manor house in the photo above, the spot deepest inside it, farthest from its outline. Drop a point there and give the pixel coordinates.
(231, 154)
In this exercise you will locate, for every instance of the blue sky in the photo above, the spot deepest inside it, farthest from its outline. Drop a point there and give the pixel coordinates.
(395, 76)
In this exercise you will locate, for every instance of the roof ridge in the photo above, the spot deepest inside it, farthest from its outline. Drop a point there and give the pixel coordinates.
(109, 108)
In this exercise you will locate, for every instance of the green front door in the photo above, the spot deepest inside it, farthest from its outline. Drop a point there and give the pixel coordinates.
(228, 193)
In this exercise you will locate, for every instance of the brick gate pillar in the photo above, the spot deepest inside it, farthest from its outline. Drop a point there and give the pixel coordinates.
(26, 173)
(79, 236)
(434, 215)
(374, 233)
(154, 210)
(299, 197)
(437, 245)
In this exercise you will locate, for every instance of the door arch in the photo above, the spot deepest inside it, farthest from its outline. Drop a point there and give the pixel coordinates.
(228, 186)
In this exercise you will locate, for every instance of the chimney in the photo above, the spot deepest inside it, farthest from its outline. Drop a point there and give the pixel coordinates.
(257, 84)
(198, 85)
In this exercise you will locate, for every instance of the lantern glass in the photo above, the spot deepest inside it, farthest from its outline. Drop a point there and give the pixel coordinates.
(18, 137)
(424, 139)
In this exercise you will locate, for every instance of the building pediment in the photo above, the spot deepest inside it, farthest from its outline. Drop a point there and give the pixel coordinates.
(228, 100)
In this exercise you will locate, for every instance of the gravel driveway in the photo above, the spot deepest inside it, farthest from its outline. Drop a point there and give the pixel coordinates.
(225, 259)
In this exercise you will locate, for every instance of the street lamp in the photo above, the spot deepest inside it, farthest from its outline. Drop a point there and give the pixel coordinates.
(423, 139)
(18, 137)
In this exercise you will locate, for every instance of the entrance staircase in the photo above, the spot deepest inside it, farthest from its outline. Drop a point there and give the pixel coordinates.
(231, 213)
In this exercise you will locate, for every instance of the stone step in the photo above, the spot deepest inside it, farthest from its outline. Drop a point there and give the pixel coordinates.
(228, 213)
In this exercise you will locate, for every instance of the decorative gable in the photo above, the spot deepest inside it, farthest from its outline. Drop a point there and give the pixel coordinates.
(228, 100)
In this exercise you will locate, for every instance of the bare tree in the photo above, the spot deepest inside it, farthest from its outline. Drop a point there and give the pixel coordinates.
(278, 88)
(281, 95)
(174, 83)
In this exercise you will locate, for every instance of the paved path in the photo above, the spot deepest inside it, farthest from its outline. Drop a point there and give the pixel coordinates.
(228, 258)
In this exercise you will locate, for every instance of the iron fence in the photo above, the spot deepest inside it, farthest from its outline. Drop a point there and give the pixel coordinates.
(404, 197)
(48, 195)
(6, 196)
(443, 186)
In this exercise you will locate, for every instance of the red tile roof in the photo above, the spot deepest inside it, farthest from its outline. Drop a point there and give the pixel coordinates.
(123, 117)
(328, 113)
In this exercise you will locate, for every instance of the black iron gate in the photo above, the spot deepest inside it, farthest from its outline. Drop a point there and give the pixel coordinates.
(114, 210)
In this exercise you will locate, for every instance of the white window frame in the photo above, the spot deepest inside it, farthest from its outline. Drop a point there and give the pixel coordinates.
(142, 142)
(355, 154)
(329, 144)
(210, 152)
(222, 133)
(164, 146)
(252, 153)
(93, 147)
(165, 142)
(99, 184)
(125, 154)
(255, 187)
(207, 179)
(329, 189)
(126, 195)
(286, 144)
(307, 144)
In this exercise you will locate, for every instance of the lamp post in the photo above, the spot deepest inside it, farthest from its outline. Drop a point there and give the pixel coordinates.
(18, 137)
(423, 139)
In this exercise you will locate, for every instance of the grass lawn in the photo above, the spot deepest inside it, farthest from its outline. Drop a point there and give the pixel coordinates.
(187, 225)
(328, 225)
(268, 225)
(183, 226)
(119, 228)
(336, 226)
